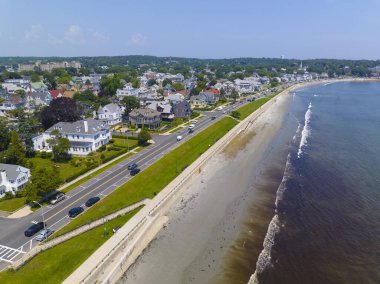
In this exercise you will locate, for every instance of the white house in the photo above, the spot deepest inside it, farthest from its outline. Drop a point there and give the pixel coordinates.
(12, 178)
(111, 114)
(85, 136)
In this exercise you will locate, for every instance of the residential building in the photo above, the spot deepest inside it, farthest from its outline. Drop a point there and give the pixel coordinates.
(163, 107)
(182, 109)
(12, 178)
(198, 101)
(85, 136)
(145, 117)
(111, 114)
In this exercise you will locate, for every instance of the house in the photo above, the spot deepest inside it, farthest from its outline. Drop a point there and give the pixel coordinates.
(12, 178)
(197, 102)
(182, 109)
(209, 97)
(56, 94)
(175, 98)
(85, 136)
(164, 108)
(111, 114)
(145, 117)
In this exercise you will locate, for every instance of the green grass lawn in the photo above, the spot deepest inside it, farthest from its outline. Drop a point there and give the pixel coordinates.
(13, 204)
(56, 264)
(157, 176)
(252, 106)
(123, 143)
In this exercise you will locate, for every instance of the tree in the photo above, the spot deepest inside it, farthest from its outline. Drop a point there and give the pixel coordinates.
(151, 82)
(60, 109)
(15, 154)
(166, 82)
(234, 95)
(60, 146)
(5, 136)
(43, 181)
(143, 137)
(178, 87)
(236, 114)
(110, 84)
(130, 103)
(64, 78)
(35, 77)
(84, 71)
(21, 93)
(135, 82)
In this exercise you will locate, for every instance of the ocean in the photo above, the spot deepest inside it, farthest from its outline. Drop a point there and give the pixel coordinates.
(326, 222)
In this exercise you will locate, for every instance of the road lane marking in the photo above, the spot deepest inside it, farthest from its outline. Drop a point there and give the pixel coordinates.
(99, 186)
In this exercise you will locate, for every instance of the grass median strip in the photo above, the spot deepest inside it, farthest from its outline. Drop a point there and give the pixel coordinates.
(56, 264)
(249, 108)
(153, 179)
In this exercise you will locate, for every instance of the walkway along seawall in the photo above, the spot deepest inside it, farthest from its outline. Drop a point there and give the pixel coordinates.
(115, 256)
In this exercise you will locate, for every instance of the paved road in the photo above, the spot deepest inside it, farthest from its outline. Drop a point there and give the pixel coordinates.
(13, 243)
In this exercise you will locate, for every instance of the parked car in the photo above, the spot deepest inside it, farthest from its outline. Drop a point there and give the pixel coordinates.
(135, 171)
(191, 126)
(59, 197)
(132, 166)
(34, 229)
(179, 138)
(75, 211)
(44, 234)
(92, 201)
(219, 108)
(193, 121)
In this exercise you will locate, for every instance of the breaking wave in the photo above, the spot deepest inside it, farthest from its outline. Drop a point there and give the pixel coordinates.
(305, 131)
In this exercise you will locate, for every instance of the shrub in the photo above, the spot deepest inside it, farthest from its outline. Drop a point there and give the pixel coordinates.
(111, 141)
(101, 149)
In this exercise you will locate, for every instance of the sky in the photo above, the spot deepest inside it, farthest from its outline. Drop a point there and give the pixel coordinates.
(303, 29)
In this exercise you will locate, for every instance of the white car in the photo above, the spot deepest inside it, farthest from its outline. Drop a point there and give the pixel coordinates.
(179, 138)
(191, 126)
(194, 121)
(219, 108)
(59, 197)
(44, 234)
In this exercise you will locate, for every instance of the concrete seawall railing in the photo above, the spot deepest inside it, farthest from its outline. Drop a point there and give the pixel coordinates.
(82, 229)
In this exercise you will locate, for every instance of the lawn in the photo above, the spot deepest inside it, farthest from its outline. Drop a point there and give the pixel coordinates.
(124, 143)
(56, 264)
(252, 106)
(153, 179)
(11, 205)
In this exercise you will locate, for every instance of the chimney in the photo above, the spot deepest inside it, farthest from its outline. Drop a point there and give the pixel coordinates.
(3, 176)
(85, 126)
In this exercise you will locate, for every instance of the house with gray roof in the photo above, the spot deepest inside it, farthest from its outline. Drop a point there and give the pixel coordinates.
(12, 178)
(85, 136)
(145, 117)
(111, 114)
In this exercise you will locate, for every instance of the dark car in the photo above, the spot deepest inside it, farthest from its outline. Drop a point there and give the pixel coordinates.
(92, 201)
(213, 117)
(75, 211)
(34, 229)
(191, 130)
(135, 171)
(132, 166)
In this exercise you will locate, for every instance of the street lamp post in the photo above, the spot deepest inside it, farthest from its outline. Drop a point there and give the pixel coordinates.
(42, 208)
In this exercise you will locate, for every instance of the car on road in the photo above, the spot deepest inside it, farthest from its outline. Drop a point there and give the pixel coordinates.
(132, 166)
(34, 229)
(219, 108)
(191, 126)
(213, 117)
(179, 138)
(114, 230)
(44, 234)
(57, 198)
(191, 130)
(193, 121)
(92, 201)
(75, 211)
(135, 171)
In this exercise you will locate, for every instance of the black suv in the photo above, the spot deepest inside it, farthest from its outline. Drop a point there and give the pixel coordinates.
(75, 211)
(135, 171)
(34, 229)
(132, 166)
(92, 201)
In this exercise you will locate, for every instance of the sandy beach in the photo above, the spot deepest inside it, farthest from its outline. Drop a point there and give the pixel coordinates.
(205, 223)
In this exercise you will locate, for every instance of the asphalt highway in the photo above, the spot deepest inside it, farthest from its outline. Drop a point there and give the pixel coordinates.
(13, 243)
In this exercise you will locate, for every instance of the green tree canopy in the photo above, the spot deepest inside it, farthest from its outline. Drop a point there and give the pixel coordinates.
(143, 137)
(178, 87)
(15, 154)
(130, 103)
(110, 84)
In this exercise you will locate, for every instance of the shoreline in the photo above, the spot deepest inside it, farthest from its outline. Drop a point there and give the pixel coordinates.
(192, 247)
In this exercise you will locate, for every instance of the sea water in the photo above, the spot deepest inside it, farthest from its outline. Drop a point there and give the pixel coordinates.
(326, 225)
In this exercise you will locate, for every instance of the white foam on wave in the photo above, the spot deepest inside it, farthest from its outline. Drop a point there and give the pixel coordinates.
(264, 259)
(281, 189)
(305, 131)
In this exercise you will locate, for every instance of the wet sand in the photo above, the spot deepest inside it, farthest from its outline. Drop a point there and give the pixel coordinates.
(206, 224)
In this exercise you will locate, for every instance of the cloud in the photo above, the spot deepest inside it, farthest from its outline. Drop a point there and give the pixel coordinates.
(138, 40)
(34, 32)
(74, 34)
(99, 37)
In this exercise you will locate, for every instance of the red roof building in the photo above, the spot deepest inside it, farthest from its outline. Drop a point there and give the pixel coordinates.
(56, 94)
